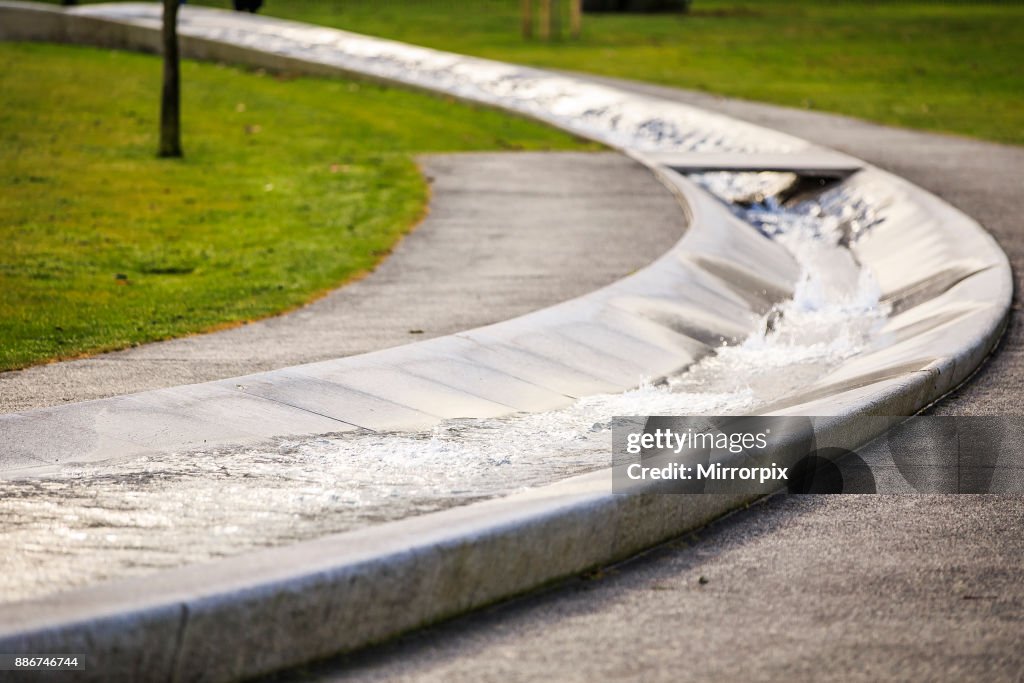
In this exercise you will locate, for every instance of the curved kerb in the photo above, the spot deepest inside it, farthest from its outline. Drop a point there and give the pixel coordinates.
(948, 283)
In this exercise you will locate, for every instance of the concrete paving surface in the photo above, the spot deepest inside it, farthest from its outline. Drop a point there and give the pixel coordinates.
(799, 588)
(507, 233)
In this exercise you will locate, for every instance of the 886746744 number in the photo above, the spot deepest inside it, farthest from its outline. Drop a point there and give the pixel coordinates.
(28, 662)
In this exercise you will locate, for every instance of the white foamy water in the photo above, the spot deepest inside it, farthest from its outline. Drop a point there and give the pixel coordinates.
(835, 307)
(92, 522)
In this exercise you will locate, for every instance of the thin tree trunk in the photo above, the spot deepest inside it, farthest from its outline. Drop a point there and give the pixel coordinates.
(170, 100)
(544, 19)
(575, 17)
(527, 19)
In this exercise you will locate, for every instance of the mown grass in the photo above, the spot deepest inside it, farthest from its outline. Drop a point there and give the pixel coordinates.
(288, 188)
(950, 66)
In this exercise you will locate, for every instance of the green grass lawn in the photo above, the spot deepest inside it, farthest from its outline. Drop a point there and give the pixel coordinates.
(288, 188)
(946, 66)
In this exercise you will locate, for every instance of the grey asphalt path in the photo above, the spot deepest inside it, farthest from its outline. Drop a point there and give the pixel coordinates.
(848, 588)
(801, 588)
(507, 233)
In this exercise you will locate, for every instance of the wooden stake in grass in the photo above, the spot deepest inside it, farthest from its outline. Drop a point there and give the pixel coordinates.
(170, 97)
(545, 19)
(575, 17)
(549, 16)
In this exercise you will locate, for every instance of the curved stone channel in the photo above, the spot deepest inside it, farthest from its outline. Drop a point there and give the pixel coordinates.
(98, 521)
(810, 308)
